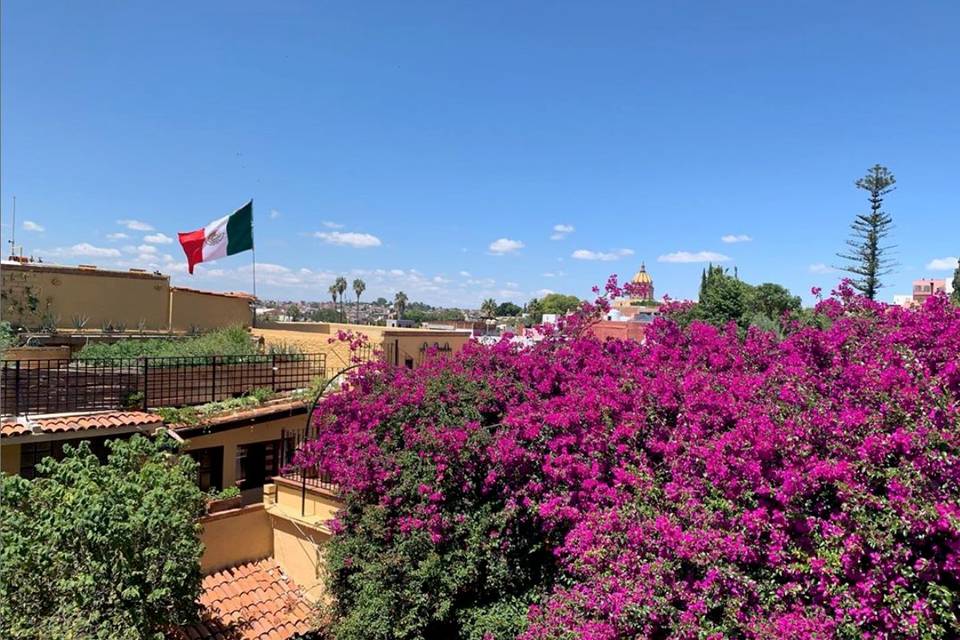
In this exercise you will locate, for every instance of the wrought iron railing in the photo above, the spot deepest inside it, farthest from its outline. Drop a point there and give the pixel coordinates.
(62, 386)
(291, 440)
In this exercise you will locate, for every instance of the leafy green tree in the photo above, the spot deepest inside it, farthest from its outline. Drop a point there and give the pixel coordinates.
(955, 296)
(867, 258)
(358, 288)
(508, 309)
(109, 552)
(724, 298)
(559, 303)
(489, 308)
(772, 300)
(294, 312)
(534, 312)
(381, 302)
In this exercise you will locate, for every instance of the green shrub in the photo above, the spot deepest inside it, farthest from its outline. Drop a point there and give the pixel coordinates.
(106, 551)
(231, 341)
(224, 494)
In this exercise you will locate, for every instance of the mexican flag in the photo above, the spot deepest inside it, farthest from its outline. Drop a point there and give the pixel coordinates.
(224, 237)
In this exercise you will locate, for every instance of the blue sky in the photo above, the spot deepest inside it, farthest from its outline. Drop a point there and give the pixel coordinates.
(434, 147)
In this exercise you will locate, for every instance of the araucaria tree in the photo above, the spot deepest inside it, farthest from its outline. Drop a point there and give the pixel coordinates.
(867, 255)
(109, 551)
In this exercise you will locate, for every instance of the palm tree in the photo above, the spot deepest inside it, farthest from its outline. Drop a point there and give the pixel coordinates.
(358, 287)
(400, 302)
(333, 294)
(341, 283)
(489, 308)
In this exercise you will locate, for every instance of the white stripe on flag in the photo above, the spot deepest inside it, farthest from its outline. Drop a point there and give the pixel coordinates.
(215, 239)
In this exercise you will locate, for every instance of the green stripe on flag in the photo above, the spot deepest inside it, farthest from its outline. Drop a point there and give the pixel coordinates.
(240, 230)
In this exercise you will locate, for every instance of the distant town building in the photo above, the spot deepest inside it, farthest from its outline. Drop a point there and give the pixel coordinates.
(629, 315)
(639, 307)
(923, 289)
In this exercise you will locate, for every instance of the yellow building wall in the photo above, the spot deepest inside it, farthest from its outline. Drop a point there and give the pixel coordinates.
(10, 458)
(300, 529)
(298, 549)
(314, 337)
(233, 438)
(234, 537)
(32, 292)
(199, 310)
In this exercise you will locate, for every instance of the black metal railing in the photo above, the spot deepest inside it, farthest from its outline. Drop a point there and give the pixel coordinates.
(61, 386)
(290, 441)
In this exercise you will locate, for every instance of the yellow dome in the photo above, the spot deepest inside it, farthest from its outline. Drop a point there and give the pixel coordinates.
(642, 277)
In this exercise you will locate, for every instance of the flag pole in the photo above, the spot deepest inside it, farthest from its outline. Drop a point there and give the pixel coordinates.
(253, 253)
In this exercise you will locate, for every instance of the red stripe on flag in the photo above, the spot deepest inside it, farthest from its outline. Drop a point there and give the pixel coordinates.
(192, 243)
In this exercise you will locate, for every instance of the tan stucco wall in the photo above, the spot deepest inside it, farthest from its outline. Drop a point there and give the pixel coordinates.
(67, 292)
(234, 537)
(193, 309)
(314, 337)
(298, 549)
(231, 439)
(299, 535)
(10, 458)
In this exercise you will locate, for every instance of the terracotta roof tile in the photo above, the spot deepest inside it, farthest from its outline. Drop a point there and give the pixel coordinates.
(83, 422)
(251, 601)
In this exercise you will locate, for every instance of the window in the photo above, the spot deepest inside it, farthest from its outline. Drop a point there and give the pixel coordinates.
(32, 453)
(210, 473)
(256, 462)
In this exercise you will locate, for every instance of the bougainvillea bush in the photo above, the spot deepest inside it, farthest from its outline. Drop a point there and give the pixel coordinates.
(703, 484)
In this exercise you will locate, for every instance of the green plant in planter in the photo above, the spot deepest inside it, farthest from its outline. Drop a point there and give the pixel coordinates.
(226, 493)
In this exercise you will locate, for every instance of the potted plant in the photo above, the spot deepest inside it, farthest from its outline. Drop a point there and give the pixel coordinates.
(224, 500)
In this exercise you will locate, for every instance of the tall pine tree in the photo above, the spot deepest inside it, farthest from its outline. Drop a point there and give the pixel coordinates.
(867, 257)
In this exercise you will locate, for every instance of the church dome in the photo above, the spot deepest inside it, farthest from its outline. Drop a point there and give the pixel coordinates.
(642, 277)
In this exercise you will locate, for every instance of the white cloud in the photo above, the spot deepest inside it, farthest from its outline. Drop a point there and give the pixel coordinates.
(30, 225)
(943, 264)
(349, 239)
(732, 238)
(502, 246)
(561, 231)
(820, 268)
(158, 238)
(539, 293)
(146, 249)
(267, 267)
(397, 272)
(274, 214)
(331, 225)
(465, 274)
(135, 225)
(440, 280)
(84, 250)
(117, 236)
(512, 285)
(605, 256)
(699, 256)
